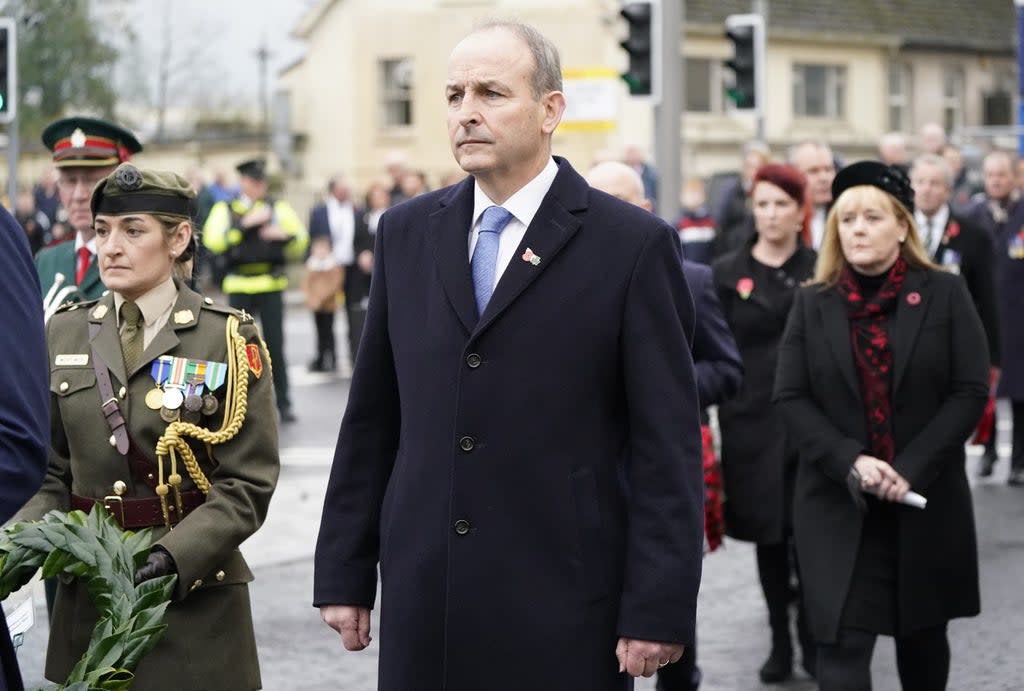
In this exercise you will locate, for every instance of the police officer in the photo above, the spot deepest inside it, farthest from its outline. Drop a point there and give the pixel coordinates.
(126, 371)
(255, 235)
(85, 150)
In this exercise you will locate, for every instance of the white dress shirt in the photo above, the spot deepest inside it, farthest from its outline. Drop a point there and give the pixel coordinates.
(522, 205)
(342, 220)
(938, 227)
(818, 226)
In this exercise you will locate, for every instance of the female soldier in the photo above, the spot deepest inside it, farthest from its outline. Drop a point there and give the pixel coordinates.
(882, 376)
(162, 409)
(756, 284)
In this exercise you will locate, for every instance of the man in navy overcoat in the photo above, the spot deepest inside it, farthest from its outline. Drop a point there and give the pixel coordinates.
(24, 405)
(524, 464)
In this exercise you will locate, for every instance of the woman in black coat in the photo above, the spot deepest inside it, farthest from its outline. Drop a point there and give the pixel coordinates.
(756, 284)
(882, 376)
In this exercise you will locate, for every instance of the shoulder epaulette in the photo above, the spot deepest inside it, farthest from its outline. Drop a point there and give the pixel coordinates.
(243, 316)
(72, 305)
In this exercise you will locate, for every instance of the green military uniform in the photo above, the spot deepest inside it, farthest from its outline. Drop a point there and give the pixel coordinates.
(61, 259)
(79, 143)
(211, 608)
(255, 278)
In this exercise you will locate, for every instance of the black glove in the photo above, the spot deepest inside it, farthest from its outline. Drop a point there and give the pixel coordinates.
(158, 563)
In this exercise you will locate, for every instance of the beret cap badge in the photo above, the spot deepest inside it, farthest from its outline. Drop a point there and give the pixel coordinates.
(128, 178)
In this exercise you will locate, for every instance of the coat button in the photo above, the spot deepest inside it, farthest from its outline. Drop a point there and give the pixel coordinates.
(462, 527)
(64, 386)
(123, 392)
(467, 443)
(473, 360)
(220, 575)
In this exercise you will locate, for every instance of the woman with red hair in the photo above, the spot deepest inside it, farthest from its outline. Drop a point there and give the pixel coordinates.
(756, 284)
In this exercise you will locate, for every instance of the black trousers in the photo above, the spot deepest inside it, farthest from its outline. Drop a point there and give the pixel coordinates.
(326, 353)
(269, 307)
(922, 659)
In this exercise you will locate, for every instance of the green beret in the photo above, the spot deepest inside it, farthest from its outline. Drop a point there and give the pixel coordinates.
(130, 190)
(80, 141)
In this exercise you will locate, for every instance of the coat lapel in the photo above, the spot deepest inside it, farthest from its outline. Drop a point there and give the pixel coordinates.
(448, 230)
(552, 227)
(904, 328)
(91, 280)
(837, 333)
(106, 342)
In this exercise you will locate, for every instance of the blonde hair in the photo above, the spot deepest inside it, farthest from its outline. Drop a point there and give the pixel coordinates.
(831, 260)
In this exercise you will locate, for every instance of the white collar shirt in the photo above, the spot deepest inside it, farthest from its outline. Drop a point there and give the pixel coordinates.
(818, 226)
(522, 205)
(342, 221)
(938, 226)
(79, 244)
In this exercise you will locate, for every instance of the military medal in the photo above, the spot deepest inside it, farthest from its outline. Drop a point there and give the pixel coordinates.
(168, 415)
(172, 398)
(210, 404)
(215, 375)
(190, 416)
(155, 398)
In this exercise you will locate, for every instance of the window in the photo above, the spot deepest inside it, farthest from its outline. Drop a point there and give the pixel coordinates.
(952, 97)
(396, 78)
(706, 82)
(819, 91)
(899, 97)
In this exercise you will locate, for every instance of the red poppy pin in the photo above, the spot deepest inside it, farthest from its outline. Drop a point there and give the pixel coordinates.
(914, 298)
(951, 232)
(745, 286)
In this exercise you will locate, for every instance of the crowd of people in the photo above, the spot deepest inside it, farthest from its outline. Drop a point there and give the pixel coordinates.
(527, 452)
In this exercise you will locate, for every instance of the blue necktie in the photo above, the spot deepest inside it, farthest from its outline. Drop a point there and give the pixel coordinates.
(485, 254)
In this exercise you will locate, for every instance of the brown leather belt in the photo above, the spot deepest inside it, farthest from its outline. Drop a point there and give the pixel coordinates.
(133, 514)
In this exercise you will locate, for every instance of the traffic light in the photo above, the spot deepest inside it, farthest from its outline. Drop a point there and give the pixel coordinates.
(8, 70)
(639, 46)
(746, 32)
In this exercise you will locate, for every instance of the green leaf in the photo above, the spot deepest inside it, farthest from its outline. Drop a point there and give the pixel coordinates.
(115, 680)
(55, 563)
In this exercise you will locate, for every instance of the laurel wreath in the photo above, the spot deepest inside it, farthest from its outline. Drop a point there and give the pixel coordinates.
(96, 550)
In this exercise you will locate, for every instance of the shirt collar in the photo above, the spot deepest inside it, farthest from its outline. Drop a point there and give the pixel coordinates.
(153, 303)
(939, 218)
(79, 244)
(524, 203)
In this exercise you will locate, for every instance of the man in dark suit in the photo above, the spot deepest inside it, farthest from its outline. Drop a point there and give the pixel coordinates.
(24, 407)
(338, 219)
(716, 360)
(1001, 213)
(85, 151)
(962, 247)
(524, 466)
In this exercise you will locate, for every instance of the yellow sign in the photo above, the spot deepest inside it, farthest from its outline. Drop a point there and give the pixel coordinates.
(592, 99)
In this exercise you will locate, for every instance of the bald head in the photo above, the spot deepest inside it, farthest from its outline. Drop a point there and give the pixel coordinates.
(932, 138)
(619, 180)
(892, 149)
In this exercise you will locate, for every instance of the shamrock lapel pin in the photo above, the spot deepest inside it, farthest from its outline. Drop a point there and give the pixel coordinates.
(529, 256)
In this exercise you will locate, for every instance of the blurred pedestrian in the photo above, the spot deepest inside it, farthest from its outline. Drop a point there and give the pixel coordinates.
(85, 150)
(533, 498)
(892, 150)
(733, 221)
(932, 138)
(255, 235)
(33, 221)
(24, 407)
(882, 376)
(1001, 213)
(47, 195)
(817, 162)
(154, 349)
(377, 201)
(321, 285)
(397, 165)
(719, 370)
(965, 186)
(635, 159)
(695, 225)
(756, 285)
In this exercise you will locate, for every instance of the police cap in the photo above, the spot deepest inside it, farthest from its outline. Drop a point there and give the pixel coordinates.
(255, 168)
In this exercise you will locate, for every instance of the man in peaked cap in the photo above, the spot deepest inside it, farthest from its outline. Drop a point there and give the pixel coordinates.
(254, 236)
(85, 150)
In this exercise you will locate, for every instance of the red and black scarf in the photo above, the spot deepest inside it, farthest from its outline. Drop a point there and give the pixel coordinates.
(871, 352)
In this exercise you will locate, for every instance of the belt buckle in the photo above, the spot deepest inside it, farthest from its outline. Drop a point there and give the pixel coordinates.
(120, 506)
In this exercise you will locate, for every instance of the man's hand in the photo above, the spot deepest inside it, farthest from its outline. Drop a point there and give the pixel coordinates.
(353, 623)
(259, 216)
(643, 658)
(880, 478)
(365, 261)
(271, 233)
(158, 563)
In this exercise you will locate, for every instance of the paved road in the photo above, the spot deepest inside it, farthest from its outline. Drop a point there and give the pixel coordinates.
(298, 652)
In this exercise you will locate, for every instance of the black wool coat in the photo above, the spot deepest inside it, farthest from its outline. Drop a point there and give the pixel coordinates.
(530, 480)
(757, 461)
(938, 390)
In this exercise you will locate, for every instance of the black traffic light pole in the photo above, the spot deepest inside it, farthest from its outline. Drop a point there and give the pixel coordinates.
(9, 102)
(747, 34)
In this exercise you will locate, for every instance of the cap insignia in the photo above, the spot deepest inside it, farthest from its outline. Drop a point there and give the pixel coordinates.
(78, 138)
(128, 178)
